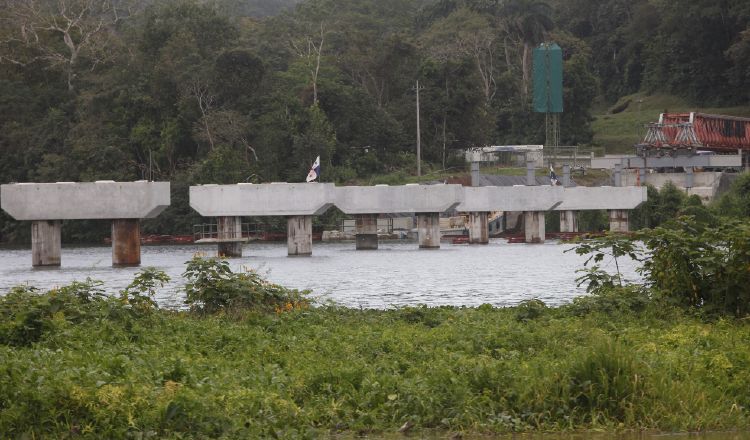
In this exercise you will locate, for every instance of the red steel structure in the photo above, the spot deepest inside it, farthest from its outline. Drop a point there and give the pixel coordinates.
(694, 131)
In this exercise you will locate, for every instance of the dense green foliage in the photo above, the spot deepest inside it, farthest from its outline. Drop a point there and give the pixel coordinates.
(212, 287)
(701, 267)
(225, 91)
(670, 202)
(303, 373)
(684, 262)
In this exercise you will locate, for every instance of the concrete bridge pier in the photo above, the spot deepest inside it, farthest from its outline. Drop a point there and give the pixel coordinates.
(46, 242)
(534, 226)
(566, 175)
(126, 242)
(530, 173)
(479, 232)
(122, 203)
(428, 229)
(618, 175)
(366, 232)
(618, 220)
(229, 236)
(299, 235)
(568, 218)
(568, 221)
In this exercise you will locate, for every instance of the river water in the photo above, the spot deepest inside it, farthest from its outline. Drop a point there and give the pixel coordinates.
(397, 274)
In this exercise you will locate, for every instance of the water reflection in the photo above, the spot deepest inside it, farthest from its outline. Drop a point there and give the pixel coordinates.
(397, 274)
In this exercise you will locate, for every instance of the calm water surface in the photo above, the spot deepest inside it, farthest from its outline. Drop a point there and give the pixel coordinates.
(397, 274)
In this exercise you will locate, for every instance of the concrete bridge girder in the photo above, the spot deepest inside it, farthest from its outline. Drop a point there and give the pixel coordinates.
(510, 198)
(582, 198)
(426, 201)
(273, 199)
(408, 199)
(84, 201)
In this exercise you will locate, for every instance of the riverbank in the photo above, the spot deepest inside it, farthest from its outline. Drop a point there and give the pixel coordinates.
(612, 363)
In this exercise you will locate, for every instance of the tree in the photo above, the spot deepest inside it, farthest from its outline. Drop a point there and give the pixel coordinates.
(60, 32)
(309, 48)
(466, 33)
(528, 21)
(739, 55)
(687, 55)
(317, 138)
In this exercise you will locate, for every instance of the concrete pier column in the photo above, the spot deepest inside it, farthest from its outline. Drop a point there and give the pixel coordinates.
(299, 235)
(534, 226)
(530, 173)
(642, 176)
(566, 175)
(568, 221)
(229, 228)
(126, 242)
(479, 232)
(46, 242)
(618, 220)
(618, 174)
(475, 174)
(366, 231)
(428, 228)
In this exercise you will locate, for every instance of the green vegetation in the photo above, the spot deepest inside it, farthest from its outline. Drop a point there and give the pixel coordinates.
(96, 371)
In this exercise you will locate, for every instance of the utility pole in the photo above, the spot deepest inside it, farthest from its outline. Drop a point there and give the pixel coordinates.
(419, 137)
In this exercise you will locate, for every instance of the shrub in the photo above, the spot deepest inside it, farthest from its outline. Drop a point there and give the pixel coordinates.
(686, 262)
(612, 246)
(530, 309)
(701, 267)
(26, 315)
(614, 300)
(139, 295)
(213, 287)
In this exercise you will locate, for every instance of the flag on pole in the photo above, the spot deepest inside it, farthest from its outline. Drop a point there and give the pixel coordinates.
(314, 171)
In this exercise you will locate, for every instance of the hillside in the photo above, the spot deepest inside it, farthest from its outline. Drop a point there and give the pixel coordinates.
(619, 127)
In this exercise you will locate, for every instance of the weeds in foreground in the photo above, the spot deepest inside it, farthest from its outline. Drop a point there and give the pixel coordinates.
(253, 360)
(212, 287)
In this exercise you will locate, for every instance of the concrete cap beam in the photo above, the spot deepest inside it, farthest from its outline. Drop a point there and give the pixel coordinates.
(269, 199)
(708, 161)
(92, 200)
(510, 198)
(583, 198)
(384, 199)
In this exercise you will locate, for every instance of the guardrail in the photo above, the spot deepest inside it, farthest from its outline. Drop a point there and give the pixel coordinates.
(210, 232)
(349, 225)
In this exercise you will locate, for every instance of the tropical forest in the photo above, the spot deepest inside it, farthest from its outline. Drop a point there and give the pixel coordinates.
(227, 91)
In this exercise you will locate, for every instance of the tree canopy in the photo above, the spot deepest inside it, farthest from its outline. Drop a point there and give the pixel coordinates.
(227, 90)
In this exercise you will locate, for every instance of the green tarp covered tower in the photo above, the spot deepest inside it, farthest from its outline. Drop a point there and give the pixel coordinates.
(548, 83)
(548, 93)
